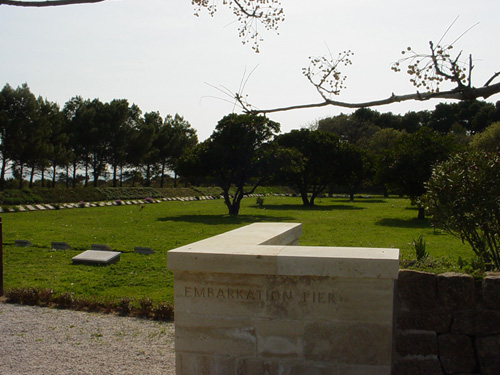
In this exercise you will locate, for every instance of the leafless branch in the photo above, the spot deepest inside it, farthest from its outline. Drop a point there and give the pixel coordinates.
(47, 3)
(466, 94)
(492, 79)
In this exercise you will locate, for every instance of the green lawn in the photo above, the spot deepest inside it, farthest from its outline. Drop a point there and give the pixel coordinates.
(374, 222)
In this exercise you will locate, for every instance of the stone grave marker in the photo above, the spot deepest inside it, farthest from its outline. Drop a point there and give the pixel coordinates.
(100, 247)
(60, 246)
(22, 243)
(97, 257)
(143, 250)
(246, 303)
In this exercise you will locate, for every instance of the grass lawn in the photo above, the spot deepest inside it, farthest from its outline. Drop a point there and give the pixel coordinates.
(372, 222)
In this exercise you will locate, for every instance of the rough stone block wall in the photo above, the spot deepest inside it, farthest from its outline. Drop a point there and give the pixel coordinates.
(446, 324)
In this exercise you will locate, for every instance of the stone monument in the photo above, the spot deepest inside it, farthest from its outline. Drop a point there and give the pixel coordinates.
(246, 302)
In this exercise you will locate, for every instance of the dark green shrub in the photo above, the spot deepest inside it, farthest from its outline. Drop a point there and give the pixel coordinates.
(64, 300)
(145, 307)
(123, 306)
(163, 311)
(419, 245)
(463, 197)
(14, 295)
(46, 296)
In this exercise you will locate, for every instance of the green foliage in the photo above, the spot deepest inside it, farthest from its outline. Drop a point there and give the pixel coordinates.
(317, 156)
(235, 155)
(419, 245)
(463, 197)
(144, 308)
(409, 164)
(260, 202)
(488, 140)
(15, 197)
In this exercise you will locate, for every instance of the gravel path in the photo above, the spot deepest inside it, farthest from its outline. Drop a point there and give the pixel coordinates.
(43, 341)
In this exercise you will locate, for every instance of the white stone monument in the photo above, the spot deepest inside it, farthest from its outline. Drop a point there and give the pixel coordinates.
(246, 302)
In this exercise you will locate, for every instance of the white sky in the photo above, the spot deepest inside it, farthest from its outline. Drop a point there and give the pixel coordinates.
(161, 57)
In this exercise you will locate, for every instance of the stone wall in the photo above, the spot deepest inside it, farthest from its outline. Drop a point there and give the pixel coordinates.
(446, 324)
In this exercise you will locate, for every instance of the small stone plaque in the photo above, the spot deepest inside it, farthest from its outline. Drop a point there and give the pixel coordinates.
(143, 250)
(22, 243)
(97, 257)
(100, 247)
(60, 246)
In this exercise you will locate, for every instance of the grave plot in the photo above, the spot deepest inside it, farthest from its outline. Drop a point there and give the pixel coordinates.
(97, 257)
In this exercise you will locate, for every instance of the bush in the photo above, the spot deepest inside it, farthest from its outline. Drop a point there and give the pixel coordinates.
(419, 245)
(163, 311)
(463, 197)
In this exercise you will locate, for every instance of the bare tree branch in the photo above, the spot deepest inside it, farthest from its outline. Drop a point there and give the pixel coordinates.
(492, 78)
(466, 94)
(46, 3)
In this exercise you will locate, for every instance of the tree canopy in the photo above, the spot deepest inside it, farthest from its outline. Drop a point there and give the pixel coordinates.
(234, 156)
(87, 135)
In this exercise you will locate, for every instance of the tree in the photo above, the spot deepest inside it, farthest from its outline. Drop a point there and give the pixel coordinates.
(488, 140)
(355, 168)
(233, 156)
(119, 122)
(318, 157)
(349, 128)
(409, 164)
(463, 197)
(22, 134)
(176, 137)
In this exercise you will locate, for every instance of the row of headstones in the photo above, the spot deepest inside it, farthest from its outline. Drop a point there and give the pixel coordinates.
(98, 254)
(118, 202)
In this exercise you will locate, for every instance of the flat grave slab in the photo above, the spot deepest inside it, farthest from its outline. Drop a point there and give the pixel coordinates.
(100, 247)
(97, 257)
(60, 246)
(143, 250)
(22, 243)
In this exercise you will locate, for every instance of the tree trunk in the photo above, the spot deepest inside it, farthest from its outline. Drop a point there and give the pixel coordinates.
(86, 173)
(32, 175)
(115, 171)
(74, 174)
(54, 171)
(421, 213)
(2, 174)
(21, 171)
(162, 174)
(67, 176)
(305, 198)
(148, 176)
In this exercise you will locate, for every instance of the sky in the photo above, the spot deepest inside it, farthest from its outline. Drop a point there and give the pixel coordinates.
(163, 58)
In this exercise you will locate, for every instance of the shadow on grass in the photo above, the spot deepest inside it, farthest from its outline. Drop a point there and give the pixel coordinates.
(299, 207)
(404, 223)
(226, 219)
